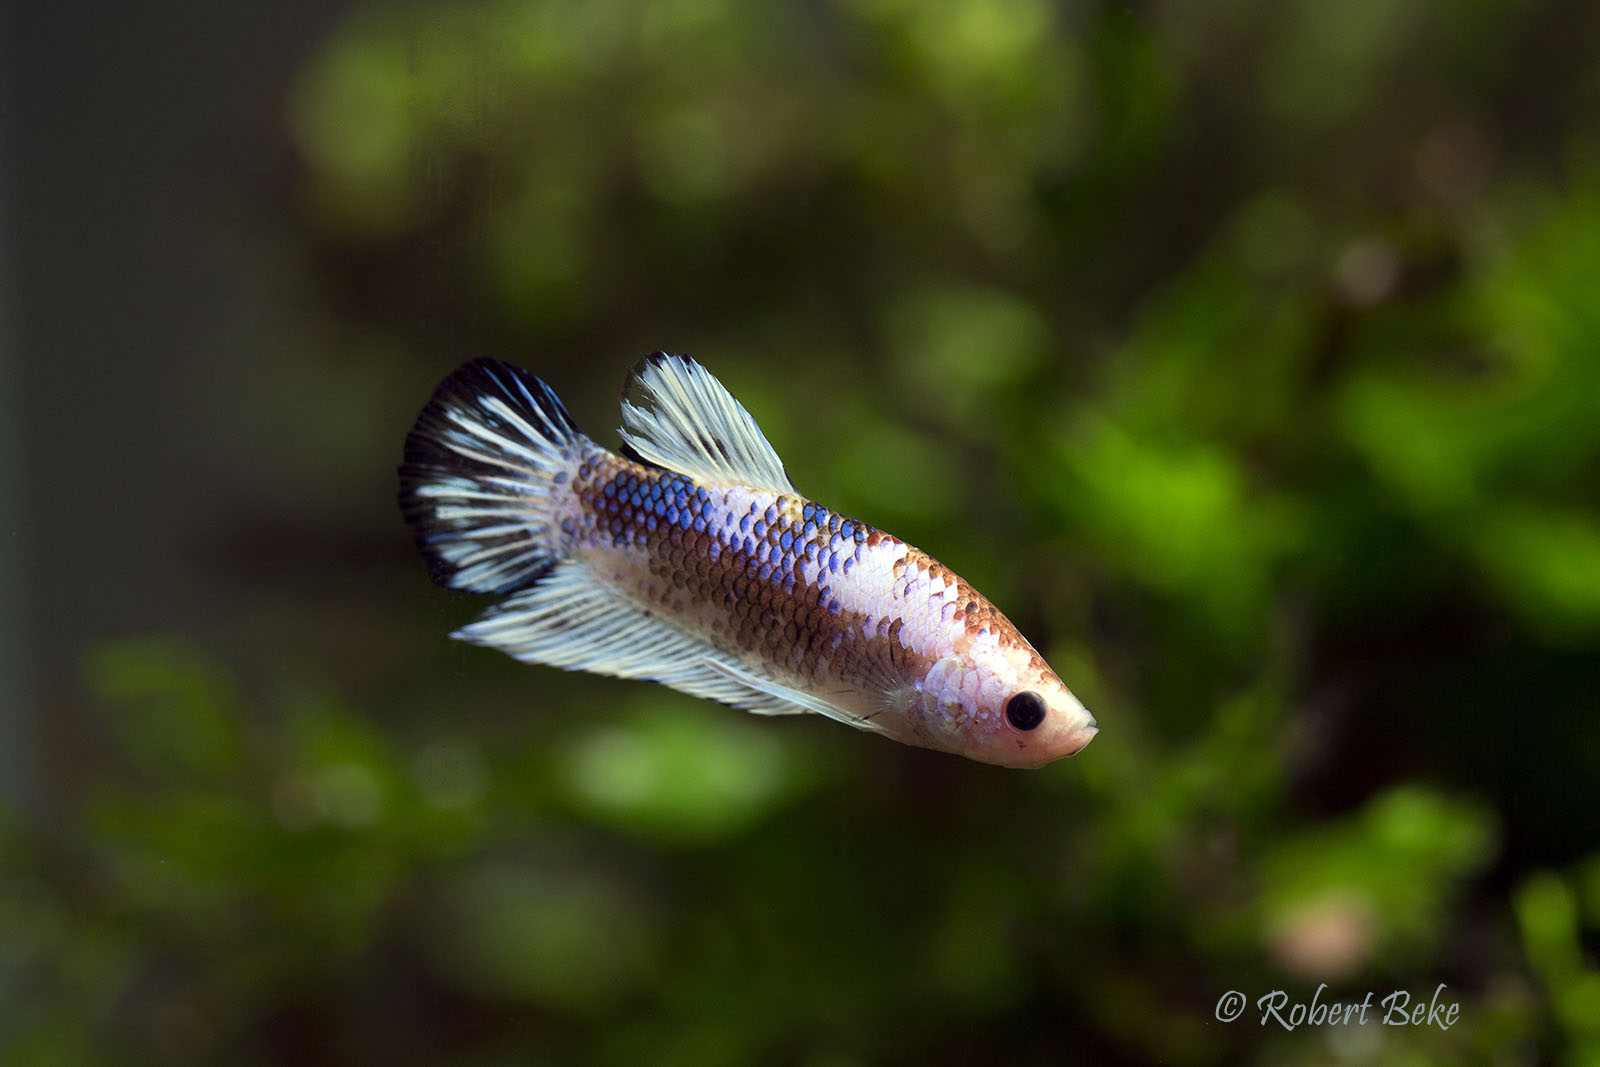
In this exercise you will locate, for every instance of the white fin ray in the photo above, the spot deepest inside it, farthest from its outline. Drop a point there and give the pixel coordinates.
(573, 621)
(695, 426)
(476, 484)
(789, 695)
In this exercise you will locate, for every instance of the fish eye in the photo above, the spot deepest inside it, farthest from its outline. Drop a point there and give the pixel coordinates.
(1025, 711)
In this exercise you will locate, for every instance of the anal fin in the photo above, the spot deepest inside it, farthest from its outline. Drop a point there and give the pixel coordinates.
(574, 621)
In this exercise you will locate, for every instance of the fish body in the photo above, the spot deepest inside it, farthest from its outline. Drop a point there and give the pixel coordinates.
(691, 560)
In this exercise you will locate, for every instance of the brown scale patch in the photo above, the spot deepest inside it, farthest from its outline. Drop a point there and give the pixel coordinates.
(793, 632)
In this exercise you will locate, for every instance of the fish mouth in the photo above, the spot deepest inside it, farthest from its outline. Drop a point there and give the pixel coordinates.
(1069, 745)
(1081, 734)
(1080, 739)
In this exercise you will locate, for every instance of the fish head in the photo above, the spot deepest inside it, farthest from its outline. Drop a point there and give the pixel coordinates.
(1036, 720)
(1005, 706)
(1040, 722)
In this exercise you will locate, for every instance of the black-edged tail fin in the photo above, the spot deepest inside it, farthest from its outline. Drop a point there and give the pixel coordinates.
(480, 469)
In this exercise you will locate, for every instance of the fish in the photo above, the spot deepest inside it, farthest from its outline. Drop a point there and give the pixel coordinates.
(688, 558)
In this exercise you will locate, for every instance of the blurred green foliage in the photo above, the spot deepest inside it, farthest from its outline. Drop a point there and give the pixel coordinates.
(1247, 354)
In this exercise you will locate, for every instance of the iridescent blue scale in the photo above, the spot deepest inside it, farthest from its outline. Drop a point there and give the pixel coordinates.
(772, 542)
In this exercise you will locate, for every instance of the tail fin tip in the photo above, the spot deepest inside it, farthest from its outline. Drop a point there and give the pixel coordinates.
(478, 476)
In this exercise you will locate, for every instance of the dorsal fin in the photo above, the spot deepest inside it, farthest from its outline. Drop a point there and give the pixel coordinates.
(695, 427)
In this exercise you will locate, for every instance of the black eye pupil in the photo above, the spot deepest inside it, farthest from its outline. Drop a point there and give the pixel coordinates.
(1025, 711)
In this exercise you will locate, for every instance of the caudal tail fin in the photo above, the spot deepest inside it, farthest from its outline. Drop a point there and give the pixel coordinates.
(479, 476)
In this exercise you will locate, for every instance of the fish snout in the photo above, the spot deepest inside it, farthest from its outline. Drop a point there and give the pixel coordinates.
(1080, 738)
(1082, 730)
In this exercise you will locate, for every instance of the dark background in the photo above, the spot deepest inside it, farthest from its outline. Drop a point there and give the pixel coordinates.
(1246, 354)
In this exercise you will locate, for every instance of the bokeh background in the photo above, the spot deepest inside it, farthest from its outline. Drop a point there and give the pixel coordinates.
(1246, 353)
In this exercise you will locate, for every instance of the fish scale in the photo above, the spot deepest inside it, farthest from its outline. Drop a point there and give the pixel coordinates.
(692, 561)
(756, 579)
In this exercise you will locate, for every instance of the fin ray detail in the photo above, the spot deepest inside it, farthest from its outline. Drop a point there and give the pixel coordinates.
(573, 621)
(694, 426)
(475, 486)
